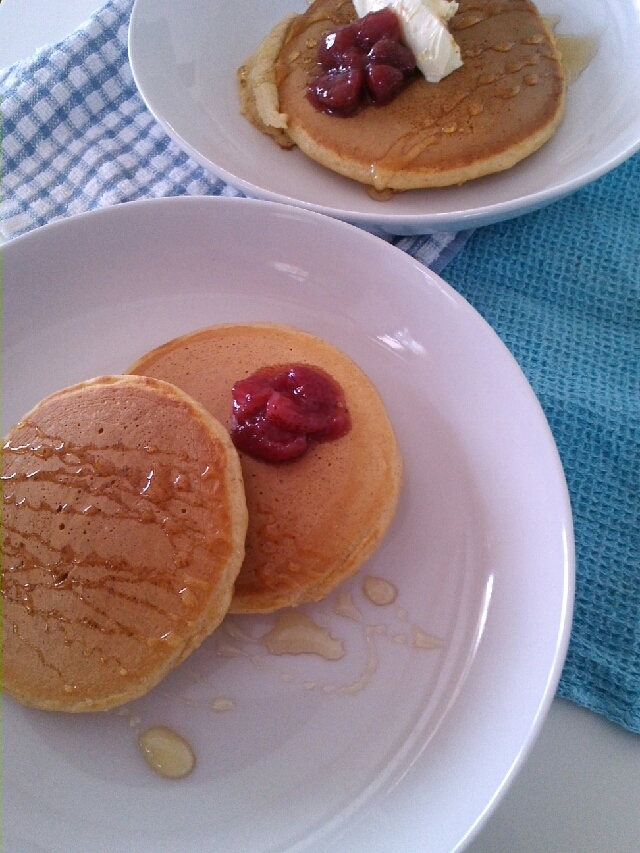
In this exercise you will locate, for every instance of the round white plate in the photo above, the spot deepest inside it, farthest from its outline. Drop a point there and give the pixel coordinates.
(394, 748)
(184, 58)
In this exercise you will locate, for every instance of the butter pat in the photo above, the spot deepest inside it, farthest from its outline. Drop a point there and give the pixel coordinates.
(424, 26)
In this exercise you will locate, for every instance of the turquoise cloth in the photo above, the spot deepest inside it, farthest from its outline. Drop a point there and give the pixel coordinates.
(562, 289)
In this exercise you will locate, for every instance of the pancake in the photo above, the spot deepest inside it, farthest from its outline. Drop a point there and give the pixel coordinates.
(501, 105)
(123, 532)
(312, 522)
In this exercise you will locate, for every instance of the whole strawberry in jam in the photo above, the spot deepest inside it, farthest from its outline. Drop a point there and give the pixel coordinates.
(359, 62)
(278, 412)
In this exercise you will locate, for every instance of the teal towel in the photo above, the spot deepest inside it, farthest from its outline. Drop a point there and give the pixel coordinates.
(562, 289)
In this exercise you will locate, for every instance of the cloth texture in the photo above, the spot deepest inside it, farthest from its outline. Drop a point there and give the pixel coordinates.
(78, 136)
(561, 287)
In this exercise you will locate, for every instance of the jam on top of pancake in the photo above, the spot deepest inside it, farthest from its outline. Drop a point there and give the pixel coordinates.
(280, 411)
(365, 61)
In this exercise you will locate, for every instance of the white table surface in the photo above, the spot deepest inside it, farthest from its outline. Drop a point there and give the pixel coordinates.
(579, 789)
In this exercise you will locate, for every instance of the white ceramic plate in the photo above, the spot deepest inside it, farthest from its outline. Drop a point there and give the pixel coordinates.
(393, 749)
(184, 58)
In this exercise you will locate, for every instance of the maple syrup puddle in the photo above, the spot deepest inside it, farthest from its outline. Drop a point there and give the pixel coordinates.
(344, 606)
(295, 633)
(380, 195)
(421, 640)
(166, 752)
(379, 591)
(576, 53)
(370, 666)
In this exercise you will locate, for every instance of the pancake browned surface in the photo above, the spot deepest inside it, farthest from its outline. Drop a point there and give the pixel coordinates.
(312, 522)
(505, 101)
(123, 532)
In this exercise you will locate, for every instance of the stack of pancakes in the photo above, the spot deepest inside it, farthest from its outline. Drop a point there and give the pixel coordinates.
(503, 104)
(126, 536)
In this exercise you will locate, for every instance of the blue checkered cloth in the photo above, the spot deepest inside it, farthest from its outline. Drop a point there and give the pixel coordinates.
(78, 136)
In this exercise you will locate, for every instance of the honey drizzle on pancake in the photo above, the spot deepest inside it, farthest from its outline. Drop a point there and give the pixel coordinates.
(409, 147)
(576, 52)
(422, 122)
(141, 487)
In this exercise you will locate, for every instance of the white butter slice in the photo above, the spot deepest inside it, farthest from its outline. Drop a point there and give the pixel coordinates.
(424, 27)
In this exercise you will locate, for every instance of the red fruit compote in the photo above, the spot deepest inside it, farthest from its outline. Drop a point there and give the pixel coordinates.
(280, 412)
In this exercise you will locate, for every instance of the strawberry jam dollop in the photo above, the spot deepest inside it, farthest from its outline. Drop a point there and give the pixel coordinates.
(279, 412)
(362, 62)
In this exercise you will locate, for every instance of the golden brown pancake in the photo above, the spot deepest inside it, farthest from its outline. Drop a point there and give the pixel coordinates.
(312, 522)
(505, 101)
(123, 531)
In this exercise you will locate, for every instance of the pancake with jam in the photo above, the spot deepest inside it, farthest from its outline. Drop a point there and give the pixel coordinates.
(124, 522)
(504, 102)
(315, 520)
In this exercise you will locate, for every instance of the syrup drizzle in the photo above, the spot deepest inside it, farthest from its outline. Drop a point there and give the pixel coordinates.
(295, 633)
(345, 606)
(379, 591)
(576, 54)
(122, 485)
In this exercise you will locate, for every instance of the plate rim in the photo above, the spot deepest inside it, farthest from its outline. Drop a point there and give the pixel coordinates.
(22, 242)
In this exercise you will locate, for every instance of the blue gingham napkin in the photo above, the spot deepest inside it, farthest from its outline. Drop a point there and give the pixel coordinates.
(78, 136)
(562, 289)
